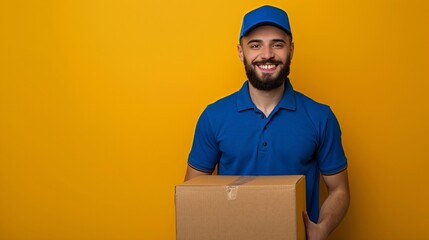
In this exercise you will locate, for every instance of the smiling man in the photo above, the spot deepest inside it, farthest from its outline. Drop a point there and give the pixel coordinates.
(268, 128)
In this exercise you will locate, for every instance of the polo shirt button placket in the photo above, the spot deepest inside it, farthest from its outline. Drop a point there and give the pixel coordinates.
(264, 143)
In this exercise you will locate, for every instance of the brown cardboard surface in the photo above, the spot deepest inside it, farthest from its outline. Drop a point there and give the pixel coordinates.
(238, 207)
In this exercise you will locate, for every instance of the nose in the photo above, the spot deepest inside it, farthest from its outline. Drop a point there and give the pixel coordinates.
(267, 53)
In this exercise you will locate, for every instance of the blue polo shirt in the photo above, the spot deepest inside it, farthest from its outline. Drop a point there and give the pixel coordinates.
(300, 136)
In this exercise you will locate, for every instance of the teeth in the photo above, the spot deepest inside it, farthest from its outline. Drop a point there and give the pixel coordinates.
(267, 66)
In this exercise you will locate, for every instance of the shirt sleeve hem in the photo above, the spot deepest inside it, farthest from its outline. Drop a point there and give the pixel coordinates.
(334, 171)
(205, 170)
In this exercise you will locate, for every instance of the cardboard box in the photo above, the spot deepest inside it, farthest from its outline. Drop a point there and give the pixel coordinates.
(235, 208)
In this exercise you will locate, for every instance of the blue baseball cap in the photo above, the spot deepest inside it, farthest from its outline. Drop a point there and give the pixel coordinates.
(265, 15)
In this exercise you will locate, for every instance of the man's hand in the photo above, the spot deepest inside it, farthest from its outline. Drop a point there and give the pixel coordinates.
(314, 231)
(333, 208)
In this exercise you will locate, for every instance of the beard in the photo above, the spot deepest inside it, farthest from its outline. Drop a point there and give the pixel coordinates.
(266, 83)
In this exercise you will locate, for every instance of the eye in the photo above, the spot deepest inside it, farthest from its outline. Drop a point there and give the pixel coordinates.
(278, 45)
(255, 46)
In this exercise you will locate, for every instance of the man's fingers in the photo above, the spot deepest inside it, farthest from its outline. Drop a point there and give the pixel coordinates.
(306, 218)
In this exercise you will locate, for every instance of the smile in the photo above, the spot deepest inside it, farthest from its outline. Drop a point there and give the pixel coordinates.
(267, 66)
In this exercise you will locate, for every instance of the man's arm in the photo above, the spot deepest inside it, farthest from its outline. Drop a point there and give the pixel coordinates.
(192, 172)
(333, 209)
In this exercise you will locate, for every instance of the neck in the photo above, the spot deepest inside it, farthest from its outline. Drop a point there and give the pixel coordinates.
(266, 101)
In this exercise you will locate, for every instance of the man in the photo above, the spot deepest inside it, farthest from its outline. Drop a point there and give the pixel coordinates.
(267, 128)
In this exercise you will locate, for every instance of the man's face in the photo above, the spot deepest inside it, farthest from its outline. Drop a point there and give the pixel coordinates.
(266, 53)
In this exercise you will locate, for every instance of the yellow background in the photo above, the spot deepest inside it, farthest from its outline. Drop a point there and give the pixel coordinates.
(99, 100)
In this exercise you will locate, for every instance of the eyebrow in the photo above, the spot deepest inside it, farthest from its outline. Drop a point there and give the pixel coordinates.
(259, 41)
(278, 40)
(254, 41)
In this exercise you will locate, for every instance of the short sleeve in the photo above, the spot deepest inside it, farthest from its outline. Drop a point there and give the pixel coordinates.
(205, 152)
(330, 154)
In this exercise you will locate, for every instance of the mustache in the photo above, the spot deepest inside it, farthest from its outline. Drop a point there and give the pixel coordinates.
(268, 61)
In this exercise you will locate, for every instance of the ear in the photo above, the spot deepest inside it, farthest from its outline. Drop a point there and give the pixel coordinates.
(240, 52)
(292, 48)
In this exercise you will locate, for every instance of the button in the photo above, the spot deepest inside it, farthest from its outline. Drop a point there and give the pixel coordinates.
(265, 128)
(264, 144)
(262, 116)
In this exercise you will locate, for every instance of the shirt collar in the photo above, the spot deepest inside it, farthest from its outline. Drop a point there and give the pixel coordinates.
(288, 99)
(244, 102)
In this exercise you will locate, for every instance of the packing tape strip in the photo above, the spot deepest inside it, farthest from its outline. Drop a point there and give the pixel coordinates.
(232, 188)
